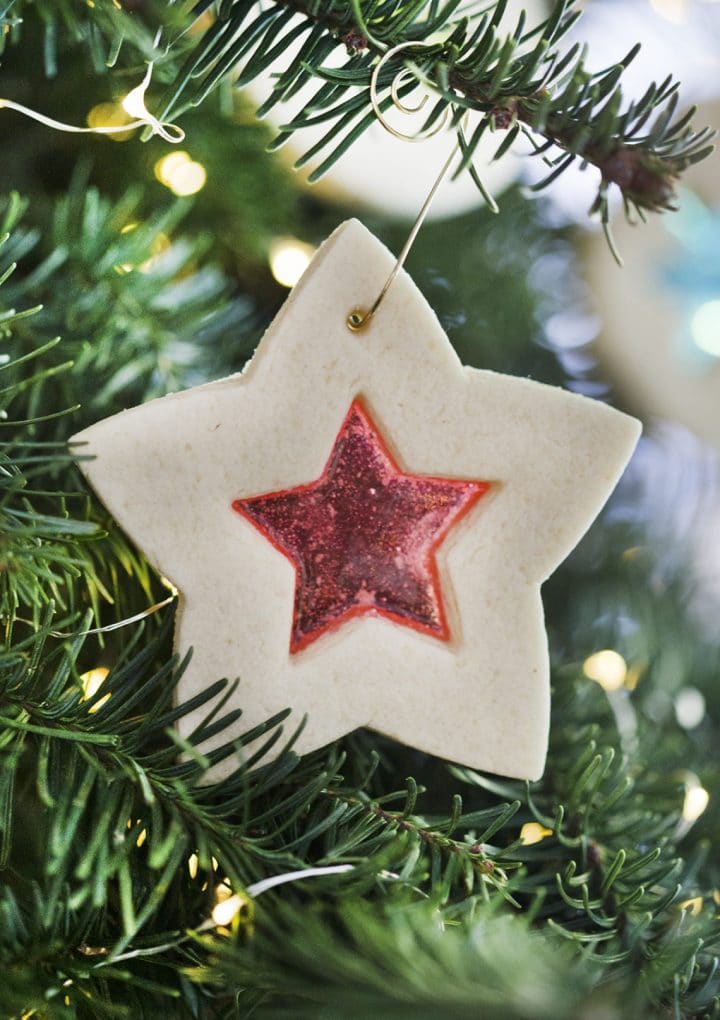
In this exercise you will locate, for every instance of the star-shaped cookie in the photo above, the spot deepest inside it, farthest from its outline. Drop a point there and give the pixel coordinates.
(424, 500)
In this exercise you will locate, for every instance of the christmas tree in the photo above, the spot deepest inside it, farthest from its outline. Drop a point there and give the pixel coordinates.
(143, 874)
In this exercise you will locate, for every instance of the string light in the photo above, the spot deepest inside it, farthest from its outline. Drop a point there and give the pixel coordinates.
(289, 258)
(693, 906)
(689, 707)
(110, 115)
(91, 683)
(696, 800)
(161, 243)
(607, 668)
(133, 104)
(227, 905)
(705, 328)
(179, 172)
(533, 832)
(193, 863)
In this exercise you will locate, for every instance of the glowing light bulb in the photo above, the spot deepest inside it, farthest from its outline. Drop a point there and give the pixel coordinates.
(289, 258)
(533, 832)
(705, 328)
(106, 115)
(141, 838)
(227, 907)
(193, 862)
(91, 683)
(693, 905)
(179, 172)
(607, 668)
(161, 243)
(689, 707)
(696, 800)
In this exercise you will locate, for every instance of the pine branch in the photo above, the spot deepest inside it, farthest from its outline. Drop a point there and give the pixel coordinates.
(171, 309)
(522, 82)
(115, 817)
(106, 29)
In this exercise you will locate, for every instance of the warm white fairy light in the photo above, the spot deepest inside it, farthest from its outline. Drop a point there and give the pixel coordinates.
(689, 707)
(133, 104)
(533, 832)
(91, 684)
(227, 905)
(289, 258)
(111, 115)
(193, 863)
(179, 172)
(607, 668)
(705, 328)
(693, 906)
(696, 800)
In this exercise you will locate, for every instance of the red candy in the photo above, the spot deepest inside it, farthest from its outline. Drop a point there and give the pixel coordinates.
(363, 536)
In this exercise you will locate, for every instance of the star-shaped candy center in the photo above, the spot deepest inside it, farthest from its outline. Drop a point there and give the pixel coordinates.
(363, 536)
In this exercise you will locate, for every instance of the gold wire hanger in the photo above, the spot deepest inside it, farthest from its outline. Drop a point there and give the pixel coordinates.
(358, 319)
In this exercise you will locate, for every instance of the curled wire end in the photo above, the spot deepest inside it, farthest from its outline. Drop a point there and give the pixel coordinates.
(399, 104)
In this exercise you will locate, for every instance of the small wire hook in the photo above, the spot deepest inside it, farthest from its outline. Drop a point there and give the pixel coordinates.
(359, 319)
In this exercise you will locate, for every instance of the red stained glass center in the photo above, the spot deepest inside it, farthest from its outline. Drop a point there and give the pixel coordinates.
(362, 537)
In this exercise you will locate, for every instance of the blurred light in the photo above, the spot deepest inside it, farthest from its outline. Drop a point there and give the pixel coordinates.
(672, 10)
(227, 905)
(91, 684)
(289, 258)
(193, 865)
(161, 243)
(109, 115)
(696, 800)
(689, 707)
(705, 328)
(633, 678)
(632, 553)
(533, 832)
(179, 172)
(693, 905)
(607, 668)
(141, 838)
(129, 227)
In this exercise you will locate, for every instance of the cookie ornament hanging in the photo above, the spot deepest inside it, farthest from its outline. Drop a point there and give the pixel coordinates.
(358, 525)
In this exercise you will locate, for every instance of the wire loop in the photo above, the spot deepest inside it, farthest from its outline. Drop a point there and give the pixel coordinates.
(398, 81)
(358, 319)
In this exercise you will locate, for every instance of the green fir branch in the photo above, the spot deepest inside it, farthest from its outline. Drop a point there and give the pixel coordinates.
(522, 81)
